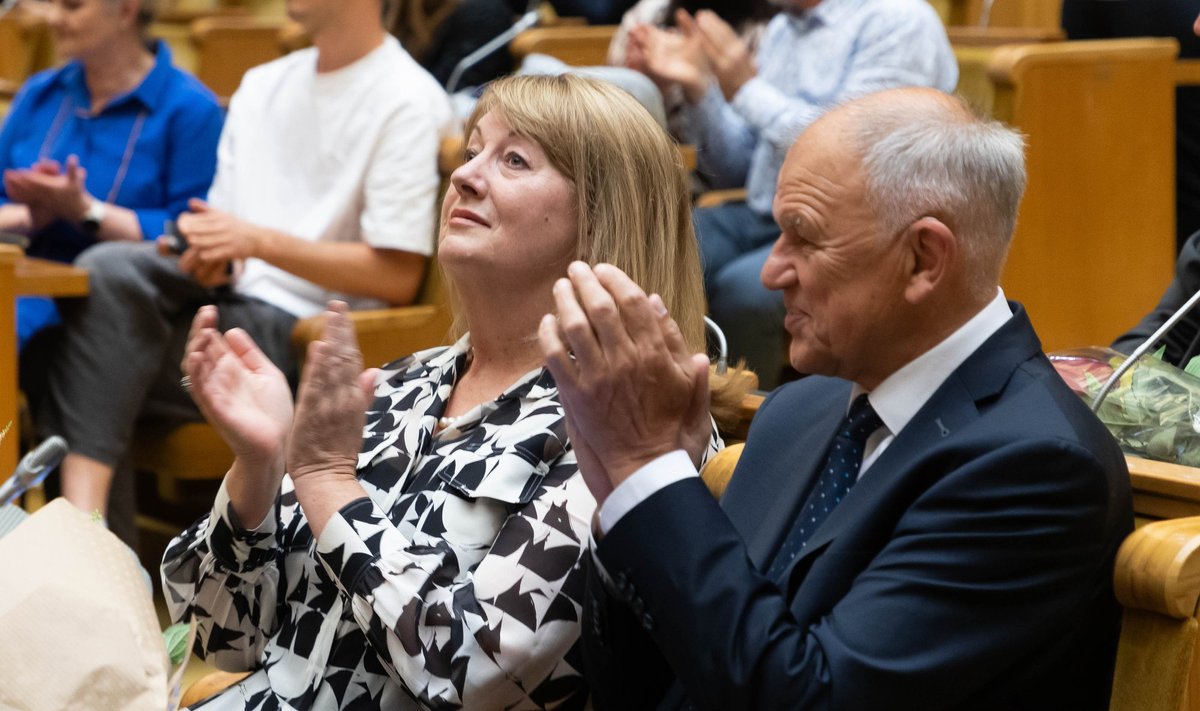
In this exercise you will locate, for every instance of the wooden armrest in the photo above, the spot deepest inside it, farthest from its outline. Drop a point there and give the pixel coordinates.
(973, 36)
(210, 685)
(712, 198)
(1187, 72)
(718, 470)
(1158, 568)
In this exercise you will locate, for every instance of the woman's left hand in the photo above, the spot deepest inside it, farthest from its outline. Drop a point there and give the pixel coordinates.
(331, 405)
(51, 192)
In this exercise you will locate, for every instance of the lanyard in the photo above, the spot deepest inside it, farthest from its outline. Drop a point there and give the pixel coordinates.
(65, 110)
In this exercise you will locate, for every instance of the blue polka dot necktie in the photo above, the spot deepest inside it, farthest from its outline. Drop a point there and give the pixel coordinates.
(838, 474)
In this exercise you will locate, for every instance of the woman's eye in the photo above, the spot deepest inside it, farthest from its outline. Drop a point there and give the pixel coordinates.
(469, 153)
(516, 160)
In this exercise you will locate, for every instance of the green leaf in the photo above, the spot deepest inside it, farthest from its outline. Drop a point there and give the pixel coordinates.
(1193, 366)
(1162, 350)
(175, 638)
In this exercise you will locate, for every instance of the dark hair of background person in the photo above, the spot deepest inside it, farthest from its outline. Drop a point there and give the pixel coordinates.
(735, 12)
(439, 33)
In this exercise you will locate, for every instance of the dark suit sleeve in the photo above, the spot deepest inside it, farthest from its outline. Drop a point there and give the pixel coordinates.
(1179, 341)
(1018, 532)
(624, 668)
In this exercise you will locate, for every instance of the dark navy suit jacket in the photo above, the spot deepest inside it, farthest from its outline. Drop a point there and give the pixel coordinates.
(969, 568)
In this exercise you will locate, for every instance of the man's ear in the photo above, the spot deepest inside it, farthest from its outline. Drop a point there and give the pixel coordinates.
(934, 251)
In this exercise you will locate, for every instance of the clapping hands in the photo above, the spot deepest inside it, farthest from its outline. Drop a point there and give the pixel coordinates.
(631, 389)
(698, 51)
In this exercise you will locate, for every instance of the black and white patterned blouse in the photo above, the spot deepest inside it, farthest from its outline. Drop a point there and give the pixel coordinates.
(456, 584)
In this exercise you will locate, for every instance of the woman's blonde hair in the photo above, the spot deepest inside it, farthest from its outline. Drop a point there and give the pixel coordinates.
(630, 188)
(628, 179)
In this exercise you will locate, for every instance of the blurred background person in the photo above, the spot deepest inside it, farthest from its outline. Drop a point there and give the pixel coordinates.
(432, 554)
(326, 188)
(441, 33)
(743, 109)
(109, 146)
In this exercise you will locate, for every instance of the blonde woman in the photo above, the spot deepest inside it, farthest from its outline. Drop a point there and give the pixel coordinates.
(426, 555)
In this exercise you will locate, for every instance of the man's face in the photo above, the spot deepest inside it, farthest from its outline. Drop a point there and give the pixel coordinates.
(1196, 26)
(842, 277)
(312, 15)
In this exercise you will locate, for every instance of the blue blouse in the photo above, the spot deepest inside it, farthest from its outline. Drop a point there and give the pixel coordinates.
(149, 150)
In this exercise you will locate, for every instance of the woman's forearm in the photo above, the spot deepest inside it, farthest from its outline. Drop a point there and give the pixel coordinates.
(253, 488)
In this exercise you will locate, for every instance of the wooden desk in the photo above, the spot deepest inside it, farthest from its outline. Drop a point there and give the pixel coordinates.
(21, 276)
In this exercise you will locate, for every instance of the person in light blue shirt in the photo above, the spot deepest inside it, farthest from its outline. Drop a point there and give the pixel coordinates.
(108, 146)
(744, 111)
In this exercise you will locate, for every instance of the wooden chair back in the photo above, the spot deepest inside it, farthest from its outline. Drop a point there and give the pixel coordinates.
(585, 46)
(1003, 13)
(1095, 240)
(226, 46)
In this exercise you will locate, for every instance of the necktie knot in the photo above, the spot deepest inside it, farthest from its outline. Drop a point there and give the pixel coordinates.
(860, 421)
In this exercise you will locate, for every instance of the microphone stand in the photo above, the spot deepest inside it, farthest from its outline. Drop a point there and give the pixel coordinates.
(1142, 349)
(529, 19)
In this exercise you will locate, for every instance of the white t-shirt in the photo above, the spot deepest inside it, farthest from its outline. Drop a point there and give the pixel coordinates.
(343, 156)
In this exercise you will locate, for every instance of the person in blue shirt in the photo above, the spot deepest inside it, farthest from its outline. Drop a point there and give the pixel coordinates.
(108, 146)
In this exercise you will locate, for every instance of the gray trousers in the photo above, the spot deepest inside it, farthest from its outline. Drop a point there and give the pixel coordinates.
(118, 354)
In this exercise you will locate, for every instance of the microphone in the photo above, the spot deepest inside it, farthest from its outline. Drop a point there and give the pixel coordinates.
(33, 468)
(722, 345)
(529, 19)
(1142, 349)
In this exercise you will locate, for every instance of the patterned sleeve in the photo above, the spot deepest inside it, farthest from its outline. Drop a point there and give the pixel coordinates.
(226, 577)
(495, 637)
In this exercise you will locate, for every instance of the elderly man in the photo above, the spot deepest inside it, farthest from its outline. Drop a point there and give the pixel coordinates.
(947, 543)
(743, 112)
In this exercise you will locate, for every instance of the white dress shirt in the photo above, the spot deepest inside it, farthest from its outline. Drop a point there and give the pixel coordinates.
(897, 399)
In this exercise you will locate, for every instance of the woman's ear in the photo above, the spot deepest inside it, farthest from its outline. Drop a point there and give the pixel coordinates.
(934, 250)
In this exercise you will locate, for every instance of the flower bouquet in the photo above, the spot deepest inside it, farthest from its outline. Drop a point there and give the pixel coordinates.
(1153, 411)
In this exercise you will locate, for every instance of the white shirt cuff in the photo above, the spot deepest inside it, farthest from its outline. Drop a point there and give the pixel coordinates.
(644, 483)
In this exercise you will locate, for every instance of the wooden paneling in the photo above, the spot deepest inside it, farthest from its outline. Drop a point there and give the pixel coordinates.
(1094, 246)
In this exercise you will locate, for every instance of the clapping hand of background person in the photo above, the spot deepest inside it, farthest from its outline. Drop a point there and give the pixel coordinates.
(700, 50)
(670, 57)
(632, 391)
(49, 191)
(214, 240)
(729, 58)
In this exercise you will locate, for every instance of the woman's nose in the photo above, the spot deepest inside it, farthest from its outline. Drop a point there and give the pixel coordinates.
(467, 179)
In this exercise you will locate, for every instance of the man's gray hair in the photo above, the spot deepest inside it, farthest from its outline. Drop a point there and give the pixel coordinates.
(938, 161)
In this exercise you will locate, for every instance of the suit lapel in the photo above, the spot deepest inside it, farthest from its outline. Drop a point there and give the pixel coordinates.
(778, 469)
(952, 407)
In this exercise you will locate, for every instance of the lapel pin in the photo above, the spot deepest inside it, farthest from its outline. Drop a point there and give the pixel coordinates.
(945, 432)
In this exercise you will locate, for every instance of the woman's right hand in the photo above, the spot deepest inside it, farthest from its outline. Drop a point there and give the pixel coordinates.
(239, 391)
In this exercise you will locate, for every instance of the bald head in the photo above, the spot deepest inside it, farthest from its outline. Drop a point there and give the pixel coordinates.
(925, 153)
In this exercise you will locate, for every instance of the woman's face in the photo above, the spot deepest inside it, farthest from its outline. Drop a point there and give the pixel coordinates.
(508, 210)
(81, 27)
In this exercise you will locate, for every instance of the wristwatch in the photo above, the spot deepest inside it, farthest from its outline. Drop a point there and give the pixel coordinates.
(93, 217)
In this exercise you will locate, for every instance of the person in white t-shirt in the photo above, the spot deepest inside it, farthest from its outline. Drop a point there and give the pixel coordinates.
(325, 188)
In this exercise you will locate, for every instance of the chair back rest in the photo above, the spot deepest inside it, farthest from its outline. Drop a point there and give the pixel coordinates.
(1097, 174)
(577, 46)
(1157, 581)
(227, 46)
